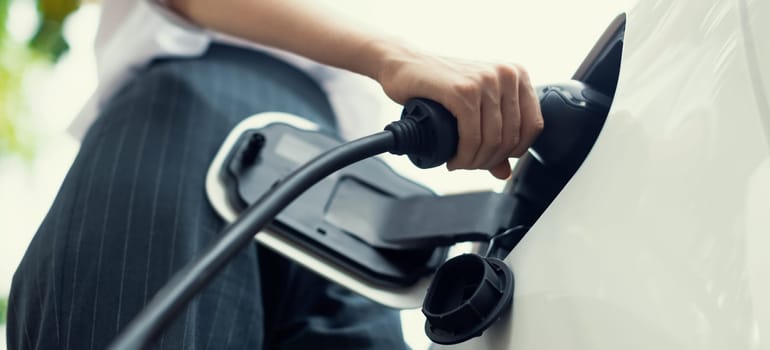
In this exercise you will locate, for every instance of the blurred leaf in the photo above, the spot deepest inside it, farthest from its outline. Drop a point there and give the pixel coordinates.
(49, 37)
(4, 5)
(15, 135)
(49, 40)
(3, 309)
(57, 10)
(16, 61)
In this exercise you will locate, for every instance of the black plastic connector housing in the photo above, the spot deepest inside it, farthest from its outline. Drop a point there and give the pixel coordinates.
(427, 132)
(468, 294)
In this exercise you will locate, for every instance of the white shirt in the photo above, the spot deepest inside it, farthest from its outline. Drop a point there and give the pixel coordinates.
(133, 32)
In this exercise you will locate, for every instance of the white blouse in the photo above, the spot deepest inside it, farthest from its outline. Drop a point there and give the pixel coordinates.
(133, 32)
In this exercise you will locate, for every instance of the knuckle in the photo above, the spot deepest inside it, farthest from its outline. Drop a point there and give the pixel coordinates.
(490, 149)
(539, 124)
(494, 142)
(506, 71)
(508, 145)
(466, 110)
(514, 141)
(474, 140)
(513, 99)
(533, 121)
(496, 158)
(467, 89)
(488, 77)
(492, 98)
(523, 74)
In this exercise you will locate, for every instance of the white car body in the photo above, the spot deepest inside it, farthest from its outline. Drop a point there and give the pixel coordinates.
(661, 240)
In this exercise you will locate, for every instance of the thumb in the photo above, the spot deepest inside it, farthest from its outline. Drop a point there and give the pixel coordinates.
(501, 171)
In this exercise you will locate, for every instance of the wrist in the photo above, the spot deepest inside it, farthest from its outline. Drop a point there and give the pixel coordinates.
(378, 54)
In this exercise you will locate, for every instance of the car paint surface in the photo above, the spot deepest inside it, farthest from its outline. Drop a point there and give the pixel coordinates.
(662, 238)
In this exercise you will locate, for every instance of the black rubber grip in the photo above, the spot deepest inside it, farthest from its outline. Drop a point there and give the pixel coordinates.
(427, 133)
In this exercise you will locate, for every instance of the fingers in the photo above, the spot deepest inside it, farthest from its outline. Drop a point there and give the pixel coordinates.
(491, 125)
(531, 117)
(502, 170)
(480, 122)
(467, 108)
(498, 116)
(511, 116)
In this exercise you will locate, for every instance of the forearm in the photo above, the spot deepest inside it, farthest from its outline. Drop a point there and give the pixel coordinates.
(497, 111)
(301, 27)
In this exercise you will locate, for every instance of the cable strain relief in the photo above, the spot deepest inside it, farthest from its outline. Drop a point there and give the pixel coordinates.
(427, 132)
(407, 135)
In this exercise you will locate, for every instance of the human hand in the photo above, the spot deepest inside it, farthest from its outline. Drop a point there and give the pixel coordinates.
(497, 110)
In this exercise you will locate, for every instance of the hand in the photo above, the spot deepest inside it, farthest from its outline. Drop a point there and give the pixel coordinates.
(497, 110)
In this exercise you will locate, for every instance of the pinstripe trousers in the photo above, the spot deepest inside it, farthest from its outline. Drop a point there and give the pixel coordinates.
(132, 210)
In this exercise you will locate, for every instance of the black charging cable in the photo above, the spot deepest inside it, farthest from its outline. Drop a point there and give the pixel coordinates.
(427, 132)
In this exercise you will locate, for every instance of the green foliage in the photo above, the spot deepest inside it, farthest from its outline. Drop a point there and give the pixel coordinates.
(49, 39)
(3, 309)
(15, 137)
(4, 4)
(16, 60)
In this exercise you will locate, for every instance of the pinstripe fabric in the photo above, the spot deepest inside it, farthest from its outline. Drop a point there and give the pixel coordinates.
(132, 210)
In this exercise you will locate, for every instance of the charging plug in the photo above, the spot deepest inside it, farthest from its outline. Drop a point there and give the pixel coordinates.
(427, 133)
